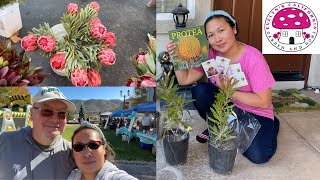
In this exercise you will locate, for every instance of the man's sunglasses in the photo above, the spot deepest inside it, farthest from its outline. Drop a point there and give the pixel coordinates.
(50, 113)
(92, 145)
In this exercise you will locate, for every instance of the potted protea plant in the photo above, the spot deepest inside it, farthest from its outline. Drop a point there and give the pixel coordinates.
(175, 135)
(15, 68)
(145, 65)
(10, 17)
(223, 145)
(77, 47)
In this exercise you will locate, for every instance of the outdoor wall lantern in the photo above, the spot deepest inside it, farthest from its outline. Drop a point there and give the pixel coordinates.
(180, 16)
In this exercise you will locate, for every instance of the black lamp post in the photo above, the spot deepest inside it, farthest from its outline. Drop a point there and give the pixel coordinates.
(180, 16)
(124, 99)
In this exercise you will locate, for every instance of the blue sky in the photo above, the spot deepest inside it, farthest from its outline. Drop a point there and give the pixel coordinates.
(86, 93)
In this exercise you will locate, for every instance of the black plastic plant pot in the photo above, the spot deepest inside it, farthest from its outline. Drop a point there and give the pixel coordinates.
(176, 152)
(221, 161)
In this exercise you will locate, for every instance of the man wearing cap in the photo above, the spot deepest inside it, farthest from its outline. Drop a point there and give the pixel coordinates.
(39, 152)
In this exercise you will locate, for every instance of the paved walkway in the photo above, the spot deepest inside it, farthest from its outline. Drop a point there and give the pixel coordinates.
(297, 156)
(140, 170)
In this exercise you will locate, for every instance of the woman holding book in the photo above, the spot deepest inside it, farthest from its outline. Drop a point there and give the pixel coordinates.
(255, 98)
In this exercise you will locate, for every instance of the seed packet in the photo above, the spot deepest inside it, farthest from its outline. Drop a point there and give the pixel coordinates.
(241, 78)
(222, 64)
(210, 68)
(233, 69)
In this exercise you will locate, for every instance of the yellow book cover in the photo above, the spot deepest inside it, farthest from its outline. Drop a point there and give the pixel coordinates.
(191, 47)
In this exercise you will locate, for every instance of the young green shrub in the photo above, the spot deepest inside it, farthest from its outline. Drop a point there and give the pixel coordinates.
(220, 129)
(174, 107)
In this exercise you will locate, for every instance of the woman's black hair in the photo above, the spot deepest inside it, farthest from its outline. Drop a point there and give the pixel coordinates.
(231, 23)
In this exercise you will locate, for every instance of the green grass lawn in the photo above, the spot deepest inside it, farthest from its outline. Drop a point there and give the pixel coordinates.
(68, 131)
(124, 150)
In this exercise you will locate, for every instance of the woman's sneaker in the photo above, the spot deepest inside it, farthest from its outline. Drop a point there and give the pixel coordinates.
(203, 137)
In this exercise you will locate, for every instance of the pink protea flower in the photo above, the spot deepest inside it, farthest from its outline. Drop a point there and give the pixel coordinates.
(72, 8)
(58, 61)
(141, 57)
(107, 56)
(46, 43)
(95, 21)
(79, 77)
(98, 31)
(94, 77)
(29, 42)
(147, 81)
(95, 6)
(109, 39)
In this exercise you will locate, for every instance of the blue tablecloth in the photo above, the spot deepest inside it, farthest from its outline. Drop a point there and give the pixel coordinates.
(125, 131)
(147, 138)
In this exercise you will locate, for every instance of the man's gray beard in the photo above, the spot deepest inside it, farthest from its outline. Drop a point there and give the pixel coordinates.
(52, 139)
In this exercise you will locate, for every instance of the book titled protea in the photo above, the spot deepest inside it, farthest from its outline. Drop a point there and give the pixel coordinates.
(191, 48)
(78, 47)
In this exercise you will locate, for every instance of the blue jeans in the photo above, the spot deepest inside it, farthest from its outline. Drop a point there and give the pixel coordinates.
(204, 96)
(264, 144)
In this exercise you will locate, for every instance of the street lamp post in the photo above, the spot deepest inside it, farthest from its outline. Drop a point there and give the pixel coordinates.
(124, 99)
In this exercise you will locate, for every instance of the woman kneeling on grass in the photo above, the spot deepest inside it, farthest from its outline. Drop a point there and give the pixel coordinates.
(93, 154)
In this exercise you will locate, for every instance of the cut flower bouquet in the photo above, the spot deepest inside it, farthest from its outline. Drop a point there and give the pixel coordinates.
(77, 47)
(145, 65)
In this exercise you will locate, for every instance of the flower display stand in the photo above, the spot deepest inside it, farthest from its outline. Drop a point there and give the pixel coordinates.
(10, 20)
(60, 72)
(58, 32)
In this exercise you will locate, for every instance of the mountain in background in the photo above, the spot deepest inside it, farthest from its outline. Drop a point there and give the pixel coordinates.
(94, 106)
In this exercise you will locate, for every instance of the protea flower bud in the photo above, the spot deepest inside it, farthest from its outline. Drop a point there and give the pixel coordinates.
(46, 43)
(141, 57)
(79, 77)
(72, 8)
(29, 42)
(147, 81)
(98, 31)
(107, 56)
(95, 6)
(94, 77)
(132, 82)
(109, 39)
(58, 61)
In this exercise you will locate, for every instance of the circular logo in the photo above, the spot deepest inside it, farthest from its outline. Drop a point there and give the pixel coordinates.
(291, 27)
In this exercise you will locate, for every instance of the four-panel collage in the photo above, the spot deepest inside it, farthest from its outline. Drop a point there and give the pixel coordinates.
(159, 89)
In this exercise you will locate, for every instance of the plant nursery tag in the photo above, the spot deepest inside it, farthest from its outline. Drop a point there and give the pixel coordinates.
(241, 78)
